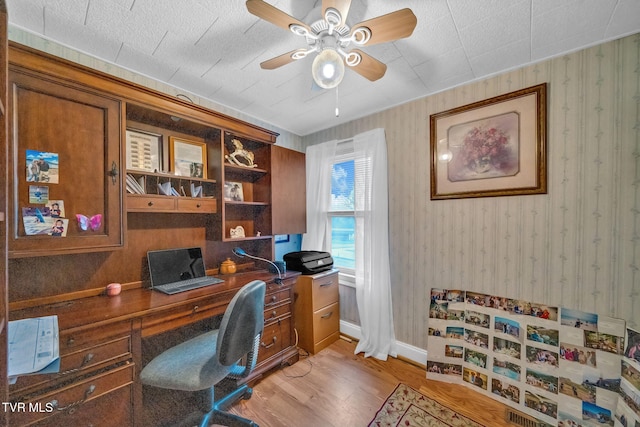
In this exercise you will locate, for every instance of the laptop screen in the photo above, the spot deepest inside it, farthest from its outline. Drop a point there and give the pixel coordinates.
(173, 265)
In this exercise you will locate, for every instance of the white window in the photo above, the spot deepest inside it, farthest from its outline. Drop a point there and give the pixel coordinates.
(347, 192)
(342, 220)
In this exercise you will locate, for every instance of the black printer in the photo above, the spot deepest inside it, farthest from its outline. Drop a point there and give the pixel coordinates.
(308, 262)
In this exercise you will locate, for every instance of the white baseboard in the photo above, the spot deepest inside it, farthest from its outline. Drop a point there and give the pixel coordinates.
(415, 354)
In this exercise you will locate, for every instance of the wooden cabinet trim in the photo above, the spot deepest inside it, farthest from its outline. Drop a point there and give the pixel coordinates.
(132, 92)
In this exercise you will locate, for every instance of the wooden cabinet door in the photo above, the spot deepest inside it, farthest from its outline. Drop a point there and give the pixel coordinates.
(289, 197)
(80, 130)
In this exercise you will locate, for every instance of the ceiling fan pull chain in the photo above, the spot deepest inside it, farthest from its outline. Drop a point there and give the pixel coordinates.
(337, 103)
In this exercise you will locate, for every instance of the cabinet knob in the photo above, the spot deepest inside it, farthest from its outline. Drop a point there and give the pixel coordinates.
(198, 205)
(150, 203)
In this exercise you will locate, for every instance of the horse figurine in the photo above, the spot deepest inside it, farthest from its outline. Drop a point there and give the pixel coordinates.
(242, 153)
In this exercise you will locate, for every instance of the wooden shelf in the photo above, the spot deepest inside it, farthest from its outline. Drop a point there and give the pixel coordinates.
(246, 239)
(242, 173)
(167, 175)
(245, 204)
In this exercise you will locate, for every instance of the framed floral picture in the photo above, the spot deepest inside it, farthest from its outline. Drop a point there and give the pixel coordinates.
(494, 147)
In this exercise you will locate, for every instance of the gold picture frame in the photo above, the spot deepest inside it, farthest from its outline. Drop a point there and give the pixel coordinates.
(494, 147)
(187, 158)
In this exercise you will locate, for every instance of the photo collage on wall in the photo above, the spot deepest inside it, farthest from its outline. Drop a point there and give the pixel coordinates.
(564, 367)
(44, 215)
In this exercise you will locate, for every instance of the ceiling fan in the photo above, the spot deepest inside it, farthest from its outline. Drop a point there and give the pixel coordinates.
(330, 37)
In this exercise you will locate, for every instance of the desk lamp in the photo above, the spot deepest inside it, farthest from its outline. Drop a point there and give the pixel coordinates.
(241, 253)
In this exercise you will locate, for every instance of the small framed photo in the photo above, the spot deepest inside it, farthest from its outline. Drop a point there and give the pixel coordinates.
(233, 192)
(143, 151)
(188, 158)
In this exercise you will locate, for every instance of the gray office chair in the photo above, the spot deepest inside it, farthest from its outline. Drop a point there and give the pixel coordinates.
(206, 360)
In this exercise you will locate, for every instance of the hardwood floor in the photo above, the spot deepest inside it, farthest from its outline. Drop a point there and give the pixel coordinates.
(337, 388)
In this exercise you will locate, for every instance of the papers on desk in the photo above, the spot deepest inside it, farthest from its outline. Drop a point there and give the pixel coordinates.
(33, 347)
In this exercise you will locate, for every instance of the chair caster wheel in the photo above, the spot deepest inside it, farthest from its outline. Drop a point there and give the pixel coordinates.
(247, 394)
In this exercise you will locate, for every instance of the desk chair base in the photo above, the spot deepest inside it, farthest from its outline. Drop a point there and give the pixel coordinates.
(214, 412)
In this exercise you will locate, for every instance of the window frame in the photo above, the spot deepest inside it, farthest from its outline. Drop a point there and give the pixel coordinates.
(347, 275)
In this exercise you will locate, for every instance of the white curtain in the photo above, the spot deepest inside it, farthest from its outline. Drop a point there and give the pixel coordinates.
(373, 278)
(319, 161)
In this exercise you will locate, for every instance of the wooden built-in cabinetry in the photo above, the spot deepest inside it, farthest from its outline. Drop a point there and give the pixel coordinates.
(82, 116)
(77, 130)
(289, 202)
(3, 207)
(317, 310)
(96, 373)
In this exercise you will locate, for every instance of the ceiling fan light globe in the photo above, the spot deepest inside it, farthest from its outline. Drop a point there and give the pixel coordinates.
(328, 69)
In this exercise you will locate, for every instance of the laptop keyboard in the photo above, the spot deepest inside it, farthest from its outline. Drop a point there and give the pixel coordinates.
(187, 285)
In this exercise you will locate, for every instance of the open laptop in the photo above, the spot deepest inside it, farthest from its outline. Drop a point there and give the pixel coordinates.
(178, 270)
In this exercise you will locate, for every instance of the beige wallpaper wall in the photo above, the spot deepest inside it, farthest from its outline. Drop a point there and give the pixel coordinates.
(577, 246)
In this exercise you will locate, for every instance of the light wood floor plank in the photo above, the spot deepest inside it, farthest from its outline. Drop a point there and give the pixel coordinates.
(337, 388)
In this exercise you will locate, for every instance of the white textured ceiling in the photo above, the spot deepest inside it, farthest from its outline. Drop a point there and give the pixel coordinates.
(213, 48)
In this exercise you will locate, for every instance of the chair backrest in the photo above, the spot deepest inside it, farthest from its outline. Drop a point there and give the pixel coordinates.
(242, 322)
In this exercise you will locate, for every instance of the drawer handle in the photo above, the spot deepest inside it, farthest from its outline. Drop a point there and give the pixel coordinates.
(195, 309)
(273, 300)
(70, 341)
(71, 406)
(198, 205)
(85, 361)
(150, 203)
(326, 284)
(269, 345)
(274, 314)
(326, 316)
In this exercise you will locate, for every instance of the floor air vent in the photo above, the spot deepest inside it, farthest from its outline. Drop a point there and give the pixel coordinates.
(523, 420)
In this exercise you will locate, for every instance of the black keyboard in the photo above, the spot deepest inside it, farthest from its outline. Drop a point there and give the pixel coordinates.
(187, 285)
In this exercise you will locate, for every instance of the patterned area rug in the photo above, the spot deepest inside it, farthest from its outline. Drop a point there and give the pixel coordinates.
(408, 407)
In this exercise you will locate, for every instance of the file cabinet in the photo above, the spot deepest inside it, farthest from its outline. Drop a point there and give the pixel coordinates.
(317, 310)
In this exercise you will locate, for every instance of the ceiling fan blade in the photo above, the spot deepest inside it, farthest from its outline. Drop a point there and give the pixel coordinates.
(341, 6)
(280, 60)
(272, 14)
(392, 26)
(369, 67)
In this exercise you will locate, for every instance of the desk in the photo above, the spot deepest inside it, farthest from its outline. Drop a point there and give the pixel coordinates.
(101, 348)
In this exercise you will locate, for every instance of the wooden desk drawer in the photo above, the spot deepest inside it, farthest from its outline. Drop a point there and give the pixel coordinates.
(276, 298)
(275, 313)
(275, 338)
(101, 355)
(325, 291)
(151, 203)
(197, 205)
(71, 341)
(102, 400)
(180, 316)
(325, 322)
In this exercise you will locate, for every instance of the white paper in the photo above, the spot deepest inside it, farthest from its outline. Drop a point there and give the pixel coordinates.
(33, 346)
